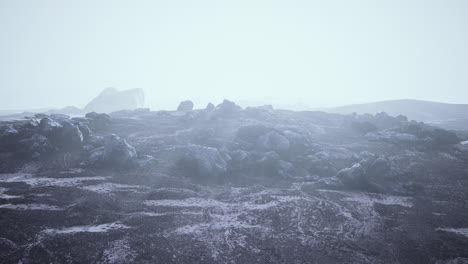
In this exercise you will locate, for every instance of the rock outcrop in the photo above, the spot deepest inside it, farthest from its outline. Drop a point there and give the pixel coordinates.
(111, 100)
(185, 106)
(116, 153)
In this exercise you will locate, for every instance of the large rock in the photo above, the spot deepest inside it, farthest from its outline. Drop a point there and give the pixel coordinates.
(209, 107)
(36, 145)
(416, 133)
(48, 126)
(273, 141)
(8, 131)
(98, 121)
(70, 136)
(116, 152)
(111, 100)
(200, 162)
(185, 106)
(379, 168)
(354, 177)
(445, 137)
(226, 109)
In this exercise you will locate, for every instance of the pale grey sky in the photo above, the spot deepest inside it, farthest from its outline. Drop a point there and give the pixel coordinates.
(59, 53)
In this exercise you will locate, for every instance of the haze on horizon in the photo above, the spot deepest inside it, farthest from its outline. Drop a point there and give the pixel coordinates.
(320, 53)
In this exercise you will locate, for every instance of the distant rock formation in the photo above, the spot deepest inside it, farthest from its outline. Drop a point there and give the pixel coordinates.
(111, 100)
(185, 106)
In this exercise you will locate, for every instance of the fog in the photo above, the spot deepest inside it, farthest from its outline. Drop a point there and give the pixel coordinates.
(233, 132)
(318, 53)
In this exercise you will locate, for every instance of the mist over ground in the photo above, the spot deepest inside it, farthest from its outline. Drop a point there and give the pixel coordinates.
(233, 132)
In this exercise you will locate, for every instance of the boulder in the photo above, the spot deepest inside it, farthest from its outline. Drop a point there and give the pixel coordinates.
(354, 177)
(69, 137)
(358, 177)
(200, 162)
(32, 123)
(47, 126)
(116, 152)
(84, 130)
(273, 141)
(185, 106)
(379, 168)
(7, 131)
(36, 145)
(227, 109)
(98, 121)
(444, 137)
(209, 107)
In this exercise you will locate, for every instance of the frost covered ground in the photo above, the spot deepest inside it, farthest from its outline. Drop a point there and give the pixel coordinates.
(253, 186)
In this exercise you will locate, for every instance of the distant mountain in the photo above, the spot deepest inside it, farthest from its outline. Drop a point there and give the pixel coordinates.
(450, 116)
(111, 100)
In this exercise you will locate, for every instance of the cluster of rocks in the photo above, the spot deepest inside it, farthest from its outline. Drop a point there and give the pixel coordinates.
(227, 143)
(398, 130)
(46, 135)
(260, 143)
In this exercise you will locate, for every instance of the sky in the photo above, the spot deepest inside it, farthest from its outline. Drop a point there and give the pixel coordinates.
(56, 53)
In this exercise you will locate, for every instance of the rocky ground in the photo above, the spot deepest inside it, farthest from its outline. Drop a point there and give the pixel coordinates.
(231, 185)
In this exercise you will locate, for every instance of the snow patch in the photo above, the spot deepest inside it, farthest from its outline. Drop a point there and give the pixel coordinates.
(7, 196)
(369, 200)
(56, 182)
(190, 202)
(119, 252)
(108, 187)
(89, 228)
(459, 231)
(24, 207)
(448, 156)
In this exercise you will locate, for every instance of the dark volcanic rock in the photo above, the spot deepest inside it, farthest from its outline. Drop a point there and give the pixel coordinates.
(48, 126)
(7, 133)
(199, 162)
(273, 141)
(98, 121)
(116, 153)
(231, 186)
(226, 109)
(36, 145)
(70, 136)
